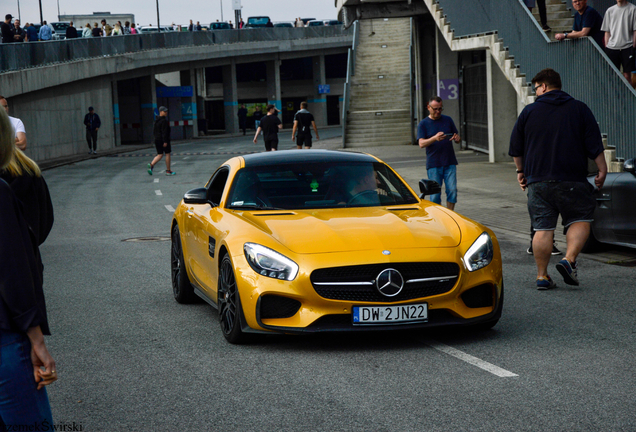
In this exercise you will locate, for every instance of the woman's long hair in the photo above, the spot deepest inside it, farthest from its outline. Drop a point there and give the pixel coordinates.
(21, 164)
(7, 139)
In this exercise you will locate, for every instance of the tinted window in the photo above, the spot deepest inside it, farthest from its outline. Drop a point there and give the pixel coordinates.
(217, 185)
(261, 21)
(318, 185)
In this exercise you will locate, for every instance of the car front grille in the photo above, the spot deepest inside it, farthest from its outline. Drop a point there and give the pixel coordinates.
(357, 283)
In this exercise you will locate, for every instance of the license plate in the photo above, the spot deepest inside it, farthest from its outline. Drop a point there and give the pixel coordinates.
(390, 314)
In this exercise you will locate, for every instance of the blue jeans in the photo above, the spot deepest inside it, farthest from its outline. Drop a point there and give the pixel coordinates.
(21, 403)
(448, 176)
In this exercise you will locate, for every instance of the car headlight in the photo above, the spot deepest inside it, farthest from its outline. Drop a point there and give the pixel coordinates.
(270, 263)
(480, 254)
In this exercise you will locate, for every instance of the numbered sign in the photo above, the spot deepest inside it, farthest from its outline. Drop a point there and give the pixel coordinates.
(448, 89)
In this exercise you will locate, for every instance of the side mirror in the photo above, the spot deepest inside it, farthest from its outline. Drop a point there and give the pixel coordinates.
(429, 187)
(628, 166)
(196, 196)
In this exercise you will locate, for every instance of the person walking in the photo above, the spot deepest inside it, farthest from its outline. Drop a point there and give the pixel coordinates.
(27, 366)
(270, 125)
(71, 32)
(161, 134)
(550, 144)
(303, 120)
(435, 133)
(92, 123)
(242, 117)
(45, 34)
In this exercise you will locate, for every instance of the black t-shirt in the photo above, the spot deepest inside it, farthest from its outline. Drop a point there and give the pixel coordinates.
(269, 125)
(7, 33)
(304, 122)
(257, 115)
(96, 32)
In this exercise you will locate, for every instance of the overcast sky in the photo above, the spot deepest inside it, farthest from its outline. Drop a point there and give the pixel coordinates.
(177, 11)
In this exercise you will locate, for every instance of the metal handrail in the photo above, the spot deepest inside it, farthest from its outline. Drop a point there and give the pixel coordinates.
(17, 56)
(586, 71)
(351, 70)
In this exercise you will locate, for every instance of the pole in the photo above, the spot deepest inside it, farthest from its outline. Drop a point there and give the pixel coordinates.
(158, 25)
(58, 10)
(19, 16)
(41, 17)
(221, 1)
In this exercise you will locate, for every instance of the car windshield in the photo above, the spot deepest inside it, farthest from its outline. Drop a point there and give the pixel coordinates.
(60, 26)
(258, 21)
(318, 185)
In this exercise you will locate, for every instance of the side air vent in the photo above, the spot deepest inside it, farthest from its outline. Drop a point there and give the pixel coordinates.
(480, 296)
(273, 306)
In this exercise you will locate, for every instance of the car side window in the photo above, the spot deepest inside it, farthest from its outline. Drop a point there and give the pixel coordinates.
(217, 185)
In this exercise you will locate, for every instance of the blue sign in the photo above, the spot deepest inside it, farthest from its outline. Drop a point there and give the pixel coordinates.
(448, 89)
(188, 111)
(182, 91)
(324, 89)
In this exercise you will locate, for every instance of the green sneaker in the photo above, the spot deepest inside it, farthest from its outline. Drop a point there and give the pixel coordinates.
(170, 173)
(150, 169)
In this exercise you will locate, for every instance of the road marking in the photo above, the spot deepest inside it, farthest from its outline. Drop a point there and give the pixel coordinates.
(169, 208)
(158, 192)
(488, 367)
(187, 157)
(156, 180)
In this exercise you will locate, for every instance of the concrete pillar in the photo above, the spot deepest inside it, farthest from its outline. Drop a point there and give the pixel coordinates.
(116, 121)
(502, 111)
(273, 83)
(230, 98)
(189, 104)
(148, 98)
(448, 80)
(200, 95)
(318, 105)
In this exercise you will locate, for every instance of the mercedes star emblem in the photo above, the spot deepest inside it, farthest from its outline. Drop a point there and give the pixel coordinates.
(389, 282)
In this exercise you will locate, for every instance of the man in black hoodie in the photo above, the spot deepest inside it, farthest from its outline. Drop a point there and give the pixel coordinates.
(161, 134)
(550, 143)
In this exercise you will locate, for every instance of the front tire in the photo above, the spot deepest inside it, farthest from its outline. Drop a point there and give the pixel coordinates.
(181, 286)
(229, 302)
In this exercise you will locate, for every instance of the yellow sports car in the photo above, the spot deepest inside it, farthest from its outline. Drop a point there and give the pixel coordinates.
(316, 240)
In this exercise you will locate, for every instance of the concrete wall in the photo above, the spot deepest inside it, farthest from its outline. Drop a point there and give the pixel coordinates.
(54, 118)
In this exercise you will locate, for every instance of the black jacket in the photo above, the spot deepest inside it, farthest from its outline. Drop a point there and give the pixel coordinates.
(161, 130)
(71, 32)
(21, 296)
(92, 121)
(555, 136)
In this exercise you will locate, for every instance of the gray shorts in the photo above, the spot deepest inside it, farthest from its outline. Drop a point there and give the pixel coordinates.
(574, 201)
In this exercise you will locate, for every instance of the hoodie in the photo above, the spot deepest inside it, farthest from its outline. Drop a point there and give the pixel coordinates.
(556, 135)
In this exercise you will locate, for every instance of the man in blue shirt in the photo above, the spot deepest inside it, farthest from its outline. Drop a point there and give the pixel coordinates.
(435, 134)
(45, 32)
(587, 22)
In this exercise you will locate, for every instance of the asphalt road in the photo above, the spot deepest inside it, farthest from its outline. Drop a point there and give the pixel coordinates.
(131, 359)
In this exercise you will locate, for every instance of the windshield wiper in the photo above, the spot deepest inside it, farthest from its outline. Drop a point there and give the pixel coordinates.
(252, 207)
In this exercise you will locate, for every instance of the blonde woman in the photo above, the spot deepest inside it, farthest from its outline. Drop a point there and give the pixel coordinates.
(87, 32)
(117, 31)
(23, 319)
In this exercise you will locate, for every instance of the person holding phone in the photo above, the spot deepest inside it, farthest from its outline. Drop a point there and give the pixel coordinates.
(436, 133)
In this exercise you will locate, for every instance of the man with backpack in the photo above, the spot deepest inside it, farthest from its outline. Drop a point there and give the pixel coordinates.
(303, 120)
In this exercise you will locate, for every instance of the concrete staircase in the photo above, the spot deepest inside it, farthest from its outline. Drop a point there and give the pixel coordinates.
(560, 17)
(379, 105)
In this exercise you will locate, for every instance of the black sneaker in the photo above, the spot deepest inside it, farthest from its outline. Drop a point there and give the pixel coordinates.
(529, 250)
(546, 28)
(555, 251)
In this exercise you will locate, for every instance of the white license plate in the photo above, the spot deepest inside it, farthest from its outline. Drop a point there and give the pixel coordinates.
(390, 314)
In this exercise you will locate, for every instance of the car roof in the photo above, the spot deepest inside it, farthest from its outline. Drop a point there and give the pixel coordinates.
(300, 156)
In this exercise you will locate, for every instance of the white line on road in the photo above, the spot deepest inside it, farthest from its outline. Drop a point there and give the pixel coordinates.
(169, 208)
(156, 180)
(158, 192)
(488, 367)
(187, 157)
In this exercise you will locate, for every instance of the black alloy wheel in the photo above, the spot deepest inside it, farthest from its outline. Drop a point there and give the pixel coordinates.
(181, 286)
(230, 311)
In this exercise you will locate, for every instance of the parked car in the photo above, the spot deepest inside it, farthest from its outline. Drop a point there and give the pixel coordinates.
(306, 20)
(153, 29)
(315, 23)
(333, 22)
(257, 22)
(59, 29)
(220, 26)
(283, 24)
(319, 240)
(615, 214)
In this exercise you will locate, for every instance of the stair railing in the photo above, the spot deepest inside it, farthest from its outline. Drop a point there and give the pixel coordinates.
(351, 71)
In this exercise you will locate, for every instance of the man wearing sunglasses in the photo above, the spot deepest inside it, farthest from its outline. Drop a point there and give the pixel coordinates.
(551, 143)
(435, 133)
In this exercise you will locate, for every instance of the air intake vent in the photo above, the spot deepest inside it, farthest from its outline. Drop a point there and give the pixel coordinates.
(273, 306)
(480, 296)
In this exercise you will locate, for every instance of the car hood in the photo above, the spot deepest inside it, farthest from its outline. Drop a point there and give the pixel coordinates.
(358, 229)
